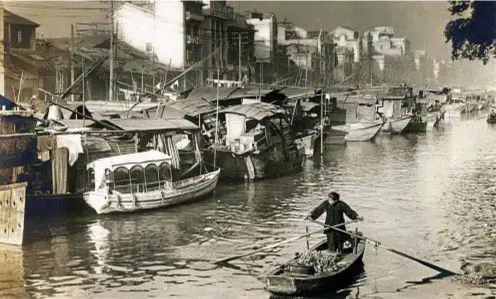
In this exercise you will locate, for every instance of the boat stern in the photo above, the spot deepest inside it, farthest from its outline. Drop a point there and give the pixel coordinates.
(281, 285)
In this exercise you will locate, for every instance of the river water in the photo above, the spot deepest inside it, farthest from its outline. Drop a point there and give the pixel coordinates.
(430, 195)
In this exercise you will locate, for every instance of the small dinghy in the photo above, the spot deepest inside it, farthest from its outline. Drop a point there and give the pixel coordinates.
(293, 279)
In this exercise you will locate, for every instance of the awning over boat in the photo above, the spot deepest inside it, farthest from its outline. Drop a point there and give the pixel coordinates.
(305, 106)
(356, 99)
(298, 92)
(148, 125)
(210, 93)
(193, 107)
(256, 111)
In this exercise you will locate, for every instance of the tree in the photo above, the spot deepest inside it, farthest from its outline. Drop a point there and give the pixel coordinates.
(473, 32)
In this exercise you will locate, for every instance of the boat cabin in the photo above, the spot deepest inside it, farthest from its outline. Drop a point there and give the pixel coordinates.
(132, 173)
(253, 127)
(358, 107)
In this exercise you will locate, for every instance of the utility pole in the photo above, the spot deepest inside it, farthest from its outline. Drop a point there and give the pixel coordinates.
(306, 66)
(72, 59)
(239, 58)
(2, 50)
(111, 51)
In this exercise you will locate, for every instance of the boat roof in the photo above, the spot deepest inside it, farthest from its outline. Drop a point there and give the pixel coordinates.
(356, 99)
(256, 111)
(193, 106)
(130, 160)
(149, 124)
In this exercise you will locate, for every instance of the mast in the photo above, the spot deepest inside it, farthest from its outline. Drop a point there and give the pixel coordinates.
(239, 58)
(217, 115)
(111, 51)
(72, 60)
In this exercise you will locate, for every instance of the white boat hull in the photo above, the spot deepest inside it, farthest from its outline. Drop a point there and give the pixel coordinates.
(454, 110)
(168, 195)
(307, 143)
(365, 131)
(397, 126)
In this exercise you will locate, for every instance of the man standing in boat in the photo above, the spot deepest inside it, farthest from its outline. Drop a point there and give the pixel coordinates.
(335, 210)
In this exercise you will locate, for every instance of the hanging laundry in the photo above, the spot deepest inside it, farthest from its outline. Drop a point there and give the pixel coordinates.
(73, 145)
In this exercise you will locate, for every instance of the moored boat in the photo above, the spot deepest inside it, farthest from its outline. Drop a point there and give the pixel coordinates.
(397, 108)
(307, 142)
(256, 142)
(491, 119)
(361, 118)
(361, 131)
(398, 125)
(142, 181)
(282, 281)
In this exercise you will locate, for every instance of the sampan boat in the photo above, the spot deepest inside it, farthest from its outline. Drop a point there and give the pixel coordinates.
(280, 281)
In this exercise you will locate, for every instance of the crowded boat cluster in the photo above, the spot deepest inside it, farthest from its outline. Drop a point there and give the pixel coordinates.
(158, 152)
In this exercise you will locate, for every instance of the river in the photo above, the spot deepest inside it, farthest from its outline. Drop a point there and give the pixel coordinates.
(430, 195)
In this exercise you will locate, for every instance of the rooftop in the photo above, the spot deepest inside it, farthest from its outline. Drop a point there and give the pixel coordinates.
(12, 18)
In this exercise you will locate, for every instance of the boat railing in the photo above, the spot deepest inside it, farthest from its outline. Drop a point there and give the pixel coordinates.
(186, 182)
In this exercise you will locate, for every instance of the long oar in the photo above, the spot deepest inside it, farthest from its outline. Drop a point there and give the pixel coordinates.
(378, 244)
(234, 257)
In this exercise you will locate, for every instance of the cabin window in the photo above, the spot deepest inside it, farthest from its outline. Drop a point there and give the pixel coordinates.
(138, 179)
(122, 180)
(19, 37)
(250, 124)
(165, 172)
(91, 179)
(152, 178)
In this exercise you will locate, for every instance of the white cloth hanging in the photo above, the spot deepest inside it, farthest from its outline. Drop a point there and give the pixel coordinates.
(73, 144)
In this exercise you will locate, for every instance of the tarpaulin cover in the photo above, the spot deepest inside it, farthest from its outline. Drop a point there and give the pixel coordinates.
(17, 150)
(9, 105)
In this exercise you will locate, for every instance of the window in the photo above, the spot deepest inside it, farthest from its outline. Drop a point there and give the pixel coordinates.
(91, 181)
(165, 172)
(121, 180)
(152, 182)
(138, 178)
(19, 37)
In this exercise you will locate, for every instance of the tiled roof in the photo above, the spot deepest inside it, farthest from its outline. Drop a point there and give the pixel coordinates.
(12, 18)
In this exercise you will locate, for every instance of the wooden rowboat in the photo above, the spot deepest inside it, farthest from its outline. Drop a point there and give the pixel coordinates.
(279, 281)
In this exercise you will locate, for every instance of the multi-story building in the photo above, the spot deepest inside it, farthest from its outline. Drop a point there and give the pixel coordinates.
(311, 51)
(217, 15)
(28, 65)
(384, 42)
(348, 38)
(265, 25)
(171, 33)
(241, 49)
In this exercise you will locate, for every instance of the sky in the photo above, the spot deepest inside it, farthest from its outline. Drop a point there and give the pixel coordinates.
(421, 21)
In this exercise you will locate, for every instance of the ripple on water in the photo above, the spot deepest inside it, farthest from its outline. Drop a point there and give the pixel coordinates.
(430, 195)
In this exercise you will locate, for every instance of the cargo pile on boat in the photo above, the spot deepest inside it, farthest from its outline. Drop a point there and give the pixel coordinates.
(316, 262)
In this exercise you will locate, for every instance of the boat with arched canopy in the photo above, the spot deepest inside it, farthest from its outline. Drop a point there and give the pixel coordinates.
(141, 181)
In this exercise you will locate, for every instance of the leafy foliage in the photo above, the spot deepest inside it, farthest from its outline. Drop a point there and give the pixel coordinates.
(473, 32)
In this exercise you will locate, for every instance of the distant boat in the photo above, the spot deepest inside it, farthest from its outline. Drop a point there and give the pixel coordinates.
(491, 119)
(361, 131)
(142, 181)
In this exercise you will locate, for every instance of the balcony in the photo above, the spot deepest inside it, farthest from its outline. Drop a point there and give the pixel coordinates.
(194, 17)
(220, 11)
(193, 40)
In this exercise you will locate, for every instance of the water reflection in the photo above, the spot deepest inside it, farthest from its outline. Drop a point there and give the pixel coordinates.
(429, 195)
